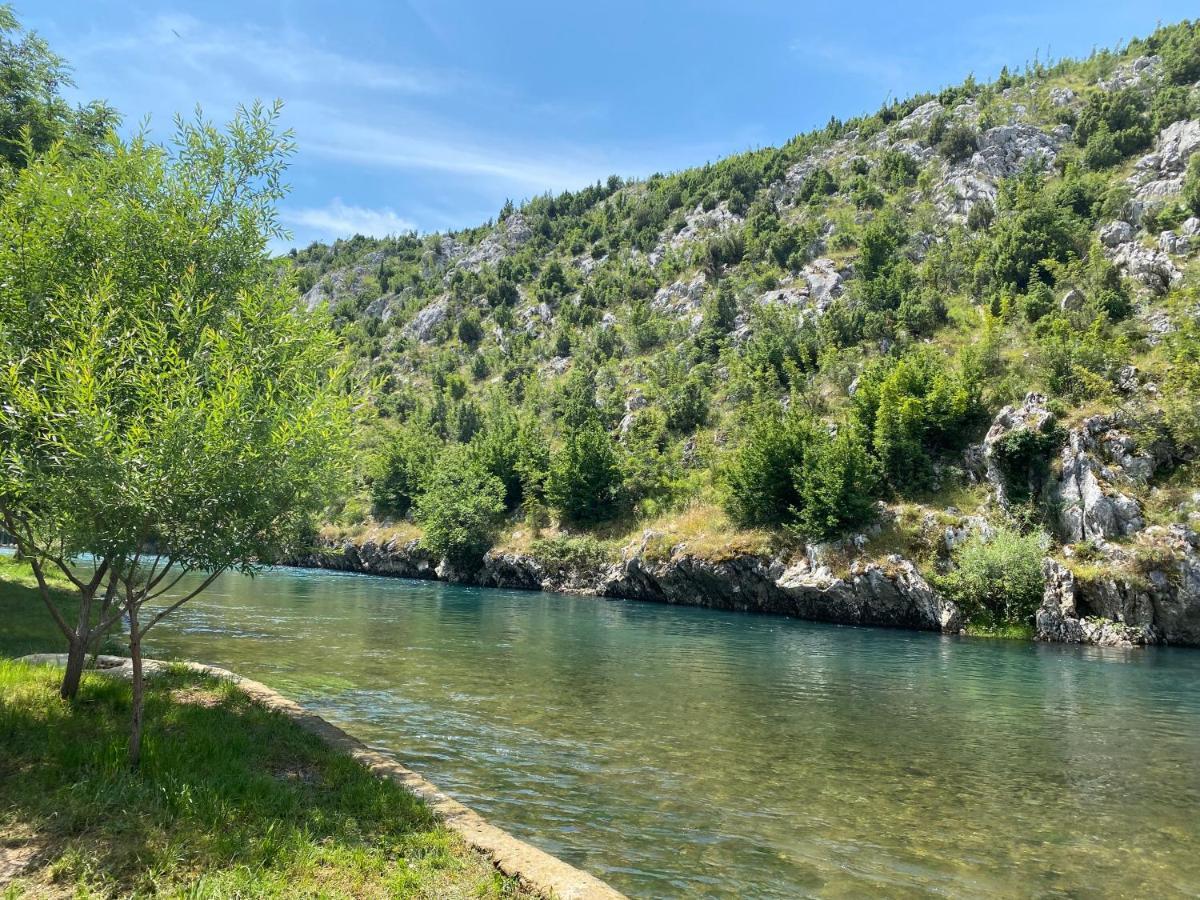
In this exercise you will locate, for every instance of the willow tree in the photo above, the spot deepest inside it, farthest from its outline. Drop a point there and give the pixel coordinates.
(165, 408)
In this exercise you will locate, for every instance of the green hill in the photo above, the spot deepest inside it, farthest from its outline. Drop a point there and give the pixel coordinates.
(797, 345)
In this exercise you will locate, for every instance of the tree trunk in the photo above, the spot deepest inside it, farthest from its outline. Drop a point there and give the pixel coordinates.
(77, 649)
(76, 660)
(135, 656)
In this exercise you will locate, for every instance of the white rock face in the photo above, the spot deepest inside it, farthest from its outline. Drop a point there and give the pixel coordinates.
(1007, 149)
(1151, 268)
(700, 224)
(1158, 176)
(1061, 97)
(507, 237)
(426, 322)
(1116, 233)
(825, 282)
(1003, 151)
(920, 118)
(682, 299)
(1100, 454)
(1132, 74)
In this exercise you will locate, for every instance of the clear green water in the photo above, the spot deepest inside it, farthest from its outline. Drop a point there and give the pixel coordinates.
(685, 752)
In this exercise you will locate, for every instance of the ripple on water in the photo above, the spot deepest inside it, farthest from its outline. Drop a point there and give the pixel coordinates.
(685, 752)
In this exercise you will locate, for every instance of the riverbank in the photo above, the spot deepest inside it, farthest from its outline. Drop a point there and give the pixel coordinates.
(231, 800)
(1146, 591)
(241, 793)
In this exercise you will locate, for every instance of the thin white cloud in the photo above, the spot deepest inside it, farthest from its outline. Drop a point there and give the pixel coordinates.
(286, 58)
(339, 219)
(420, 149)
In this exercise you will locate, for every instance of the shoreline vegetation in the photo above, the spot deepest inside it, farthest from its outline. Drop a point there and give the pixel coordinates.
(240, 793)
(231, 800)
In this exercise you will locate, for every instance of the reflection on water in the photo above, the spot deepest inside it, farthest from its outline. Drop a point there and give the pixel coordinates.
(677, 751)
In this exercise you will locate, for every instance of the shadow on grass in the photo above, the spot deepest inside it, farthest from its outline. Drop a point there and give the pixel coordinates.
(231, 799)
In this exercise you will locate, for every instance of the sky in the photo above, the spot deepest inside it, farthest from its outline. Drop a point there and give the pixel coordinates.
(429, 114)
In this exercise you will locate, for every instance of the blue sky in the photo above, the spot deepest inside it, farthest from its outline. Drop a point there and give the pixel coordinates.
(428, 115)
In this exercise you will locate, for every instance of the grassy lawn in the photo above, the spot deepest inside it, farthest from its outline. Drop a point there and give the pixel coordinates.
(231, 800)
(25, 625)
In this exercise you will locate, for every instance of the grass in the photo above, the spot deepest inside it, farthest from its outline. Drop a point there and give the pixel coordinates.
(27, 626)
(232, 800)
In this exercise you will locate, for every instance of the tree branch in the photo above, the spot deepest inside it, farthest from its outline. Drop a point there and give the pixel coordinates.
(178, 603)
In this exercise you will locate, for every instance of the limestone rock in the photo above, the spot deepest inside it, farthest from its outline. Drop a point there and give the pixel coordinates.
(1031, 415)
(681, 298)
(1132, 74)
(1116, 233)
(1158, 176)
(425, 323)
(1147, 594)
(1098, 455)
(505, 239)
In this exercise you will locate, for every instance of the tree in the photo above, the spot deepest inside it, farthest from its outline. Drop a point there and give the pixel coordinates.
(164, 407)
(584, 476)
(790, 470)
(400, 468)
(759, 487)
(32, 108)
(460, 507)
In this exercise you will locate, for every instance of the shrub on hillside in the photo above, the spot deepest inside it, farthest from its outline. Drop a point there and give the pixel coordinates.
(789, 470)
(400, 469)
(958, 142)
(584, 479)
(460, 507)
(997, 580)
(912, 407)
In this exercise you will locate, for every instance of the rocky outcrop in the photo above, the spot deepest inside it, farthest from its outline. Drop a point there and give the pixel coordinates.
(401, 559)
(1158, 176)
(1003, 151)
(682, 299)
(1146, 593)
(888, 593)
(1150, 267)
(426, 322)
(1100, 455)
(1031, 418)
(506, 238)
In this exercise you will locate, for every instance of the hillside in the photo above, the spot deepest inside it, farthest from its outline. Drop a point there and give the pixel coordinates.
(930, 346)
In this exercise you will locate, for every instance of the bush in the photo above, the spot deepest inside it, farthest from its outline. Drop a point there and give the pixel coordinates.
(788, 470)
(757, 477)
(460, 507)
(584, 477)
(400, 469)
(958, 143)
(911, 407)
(837, 481)
(582, 553)
(997, 580)
(1179, 48)
(1023, 457)
(1112, 125)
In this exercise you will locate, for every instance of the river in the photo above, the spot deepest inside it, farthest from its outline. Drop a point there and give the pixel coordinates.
(685, 752)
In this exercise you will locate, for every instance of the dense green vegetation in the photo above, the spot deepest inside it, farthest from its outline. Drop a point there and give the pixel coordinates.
(231, 801)
(658, 344)
(164, 406)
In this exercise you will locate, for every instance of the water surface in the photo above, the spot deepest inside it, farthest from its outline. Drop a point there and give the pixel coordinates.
(686, 752)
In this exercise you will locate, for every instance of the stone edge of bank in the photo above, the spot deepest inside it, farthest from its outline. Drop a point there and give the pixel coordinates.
(538, 871)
